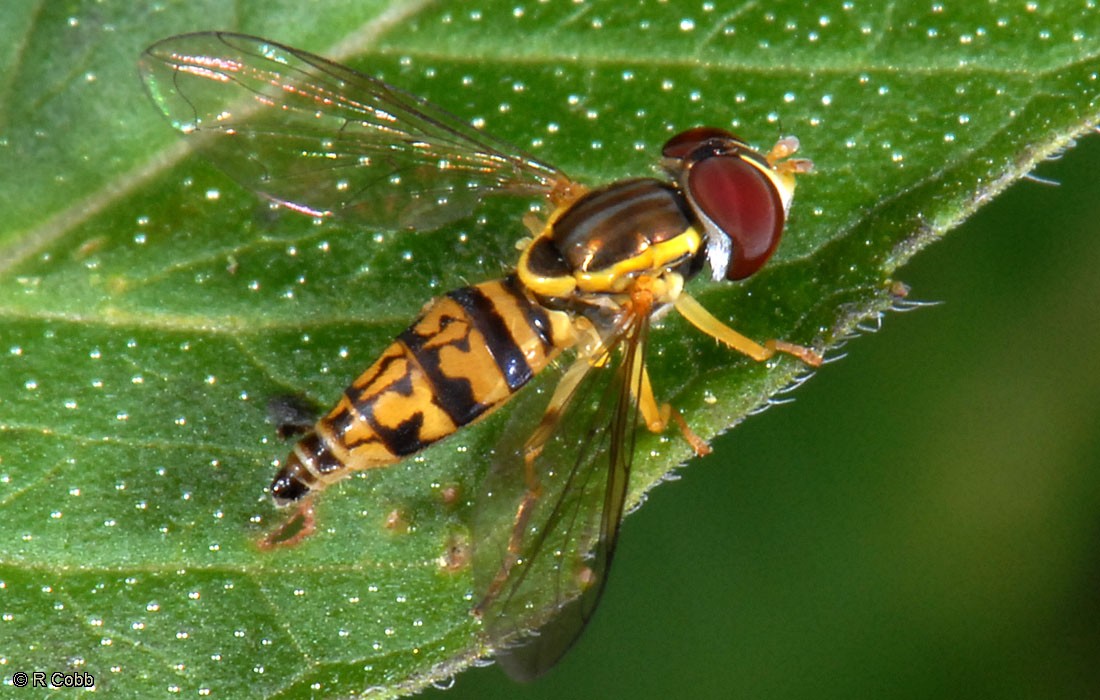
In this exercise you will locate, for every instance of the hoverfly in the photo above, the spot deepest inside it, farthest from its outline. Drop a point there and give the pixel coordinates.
(323, 139)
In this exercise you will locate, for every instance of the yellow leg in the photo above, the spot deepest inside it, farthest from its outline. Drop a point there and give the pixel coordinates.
(702, 449)
(657, 416)
(566, 385)
(702, 319)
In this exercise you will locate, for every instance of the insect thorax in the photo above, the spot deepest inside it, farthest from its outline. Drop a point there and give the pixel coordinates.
(591, 252)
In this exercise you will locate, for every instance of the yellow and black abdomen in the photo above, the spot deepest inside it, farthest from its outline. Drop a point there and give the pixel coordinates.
(465, 356)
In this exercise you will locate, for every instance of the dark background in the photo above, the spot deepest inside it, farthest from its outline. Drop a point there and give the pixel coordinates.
(923, 521)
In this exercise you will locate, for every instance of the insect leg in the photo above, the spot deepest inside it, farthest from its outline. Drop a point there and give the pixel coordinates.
(532, 448)
(515, 540)
(702, 319)
(296, 528)
(657, 416)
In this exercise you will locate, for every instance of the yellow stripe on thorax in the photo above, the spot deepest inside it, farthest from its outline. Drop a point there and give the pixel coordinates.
(653, 259)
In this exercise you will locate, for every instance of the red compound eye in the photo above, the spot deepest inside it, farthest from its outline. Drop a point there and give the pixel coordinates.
(741, 203)
(685, 143)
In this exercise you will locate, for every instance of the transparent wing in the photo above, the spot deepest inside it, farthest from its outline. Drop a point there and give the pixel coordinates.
(546, 525)
(323, 138)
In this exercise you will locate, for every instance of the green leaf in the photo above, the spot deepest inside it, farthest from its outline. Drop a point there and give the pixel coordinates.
(149, 307)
